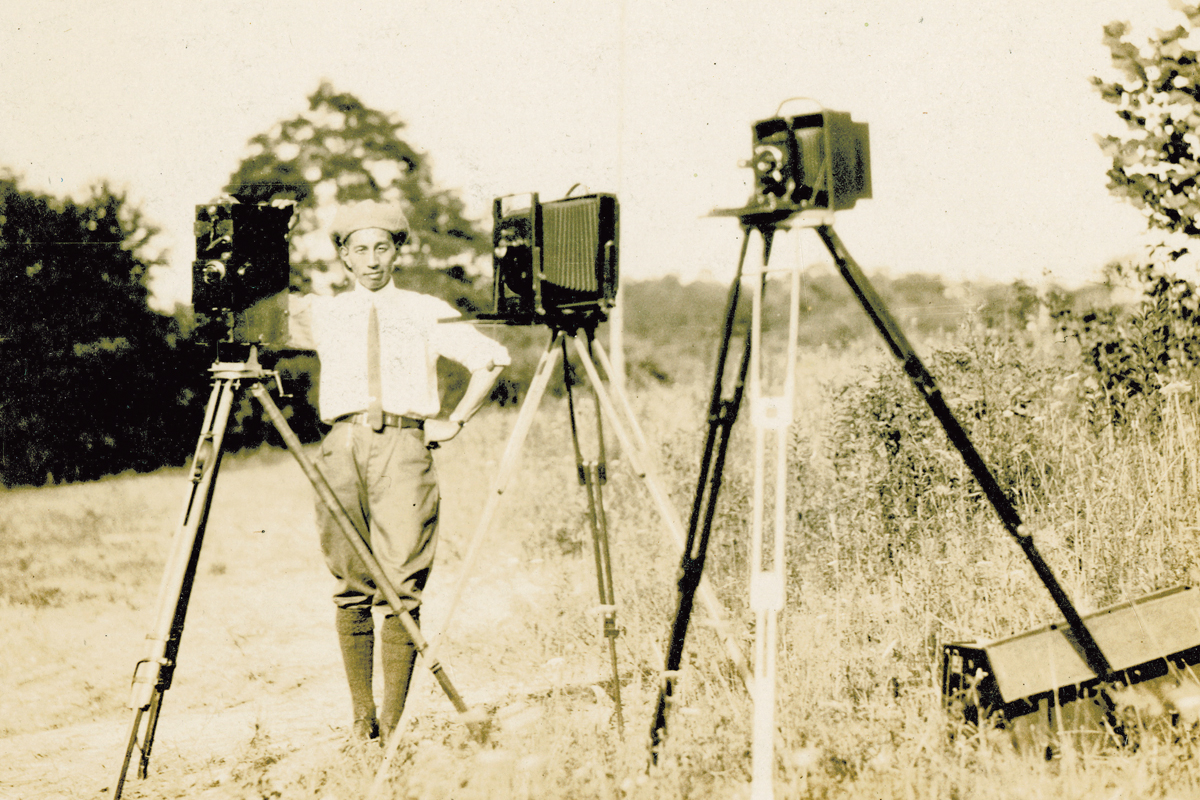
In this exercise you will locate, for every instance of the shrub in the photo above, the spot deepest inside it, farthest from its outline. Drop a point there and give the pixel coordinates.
(1130, 352)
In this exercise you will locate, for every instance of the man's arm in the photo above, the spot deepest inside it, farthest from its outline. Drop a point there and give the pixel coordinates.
(478, 389)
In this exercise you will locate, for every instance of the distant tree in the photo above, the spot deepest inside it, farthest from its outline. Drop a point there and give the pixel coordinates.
(1009, 305)
(340, 150)
(92, 380)
(337, 151)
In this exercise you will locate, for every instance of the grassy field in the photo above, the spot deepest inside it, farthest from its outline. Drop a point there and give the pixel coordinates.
(891, 553)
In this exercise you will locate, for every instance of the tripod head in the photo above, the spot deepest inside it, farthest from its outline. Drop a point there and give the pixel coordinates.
(584, 323)
(247, 369)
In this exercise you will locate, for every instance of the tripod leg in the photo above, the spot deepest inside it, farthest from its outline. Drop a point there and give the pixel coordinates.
(354, 537)
(923, 381)
(151, 728)
(153, 674)
(722, 414)
(608, 600)
(131, 744)
(508, 466)
(608, 604)
(772, 419)
(592, 477)
(670, 517)
(622, 398)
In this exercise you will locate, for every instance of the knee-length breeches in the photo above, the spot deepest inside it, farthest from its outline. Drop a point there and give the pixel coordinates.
(387, 483)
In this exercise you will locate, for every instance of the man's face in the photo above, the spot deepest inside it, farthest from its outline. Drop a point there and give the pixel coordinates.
(370, 254)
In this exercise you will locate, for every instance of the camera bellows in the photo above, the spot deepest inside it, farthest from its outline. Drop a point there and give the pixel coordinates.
(571, 244)
(554, 262)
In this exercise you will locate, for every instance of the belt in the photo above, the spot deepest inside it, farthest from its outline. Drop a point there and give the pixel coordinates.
(393, 420)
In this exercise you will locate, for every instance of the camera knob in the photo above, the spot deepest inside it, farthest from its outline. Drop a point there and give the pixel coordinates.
(214, 272)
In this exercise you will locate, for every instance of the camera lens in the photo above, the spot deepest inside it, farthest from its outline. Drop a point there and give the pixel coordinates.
(214, 272)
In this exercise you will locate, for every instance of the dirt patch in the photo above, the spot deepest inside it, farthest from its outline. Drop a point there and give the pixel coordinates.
(258, 697)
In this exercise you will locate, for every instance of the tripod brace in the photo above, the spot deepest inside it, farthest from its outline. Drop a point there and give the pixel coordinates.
(153, 674)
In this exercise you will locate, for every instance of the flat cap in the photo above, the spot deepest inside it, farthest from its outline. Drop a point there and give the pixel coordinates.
(367, 214)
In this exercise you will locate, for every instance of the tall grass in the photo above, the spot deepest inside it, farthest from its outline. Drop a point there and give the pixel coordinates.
(891, 553)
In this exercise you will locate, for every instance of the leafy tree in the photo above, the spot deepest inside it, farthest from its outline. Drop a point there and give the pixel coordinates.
(1134, 351)
(92, 380)
(337, 151)
(1155, 167)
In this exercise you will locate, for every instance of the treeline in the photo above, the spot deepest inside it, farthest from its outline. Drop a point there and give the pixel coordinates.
(830, 315)
(94, 382)
(672, 325)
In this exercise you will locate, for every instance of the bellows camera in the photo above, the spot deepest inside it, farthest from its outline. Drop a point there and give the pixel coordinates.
(817, 161)
(554, 262)
(241, 273)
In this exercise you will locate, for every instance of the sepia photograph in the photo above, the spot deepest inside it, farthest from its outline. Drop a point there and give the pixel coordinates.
(612, 399)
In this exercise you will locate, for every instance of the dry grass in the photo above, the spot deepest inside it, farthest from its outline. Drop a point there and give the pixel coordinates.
(258, 707)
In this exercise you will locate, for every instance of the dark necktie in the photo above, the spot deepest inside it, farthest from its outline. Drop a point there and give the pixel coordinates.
(374, 377)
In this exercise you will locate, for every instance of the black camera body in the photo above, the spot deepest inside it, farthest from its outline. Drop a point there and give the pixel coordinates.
(241, 273)
(818, 161)
(556, 262)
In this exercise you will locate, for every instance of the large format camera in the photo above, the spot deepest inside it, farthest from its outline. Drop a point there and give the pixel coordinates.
(241, 273)
(817, 161)
(554, 262)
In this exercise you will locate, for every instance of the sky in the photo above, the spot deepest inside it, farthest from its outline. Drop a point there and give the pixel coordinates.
(982, 117)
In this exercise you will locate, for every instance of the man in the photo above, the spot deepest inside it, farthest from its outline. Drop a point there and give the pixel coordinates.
(378, 347)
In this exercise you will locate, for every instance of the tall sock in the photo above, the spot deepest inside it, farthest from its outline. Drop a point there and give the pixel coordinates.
(356, 635)
(399, 655)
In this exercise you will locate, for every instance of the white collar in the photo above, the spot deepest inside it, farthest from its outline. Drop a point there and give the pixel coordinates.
(363, 293)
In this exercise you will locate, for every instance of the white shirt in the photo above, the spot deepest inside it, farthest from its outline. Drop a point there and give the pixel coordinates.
(411, 339)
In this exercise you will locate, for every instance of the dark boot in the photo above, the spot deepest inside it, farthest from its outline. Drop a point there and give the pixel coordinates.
(399, 655)
(356, 635)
